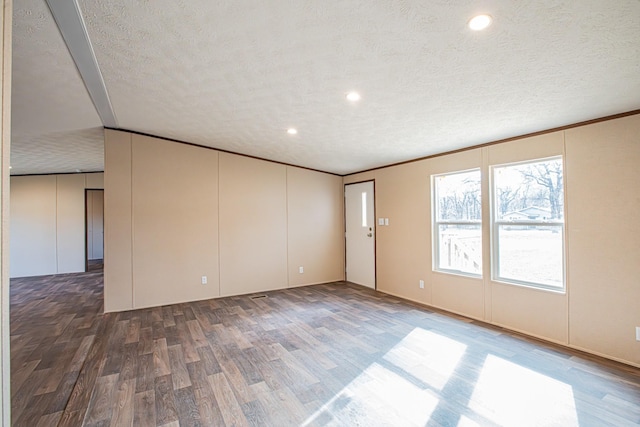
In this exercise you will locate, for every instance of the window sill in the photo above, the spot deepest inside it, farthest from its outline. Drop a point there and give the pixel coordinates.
(562, 291)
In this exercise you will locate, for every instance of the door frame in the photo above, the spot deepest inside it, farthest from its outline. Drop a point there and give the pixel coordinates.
(375, 234)
(86, 226)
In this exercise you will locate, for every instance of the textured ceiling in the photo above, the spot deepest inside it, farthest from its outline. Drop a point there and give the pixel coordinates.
(235, 75)
(58, 152)
(53, 119)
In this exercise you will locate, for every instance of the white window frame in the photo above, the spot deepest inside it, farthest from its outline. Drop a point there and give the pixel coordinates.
(496, 223)
(435, 226)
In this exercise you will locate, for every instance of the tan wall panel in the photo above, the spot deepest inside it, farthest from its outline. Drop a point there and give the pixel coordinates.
(175, 218)
(70, 221)
(470, 159)
(253, 225)
(535, 147)
(118, 284)
(458, 294)
(41, 202)
(95, 181)
(33, 226)
(539, 313)
(603, 168)
(359, 177)
(174, 235)
(315, 227)
(403, 248)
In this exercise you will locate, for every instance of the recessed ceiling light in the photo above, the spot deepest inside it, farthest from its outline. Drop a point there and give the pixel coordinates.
(353, 96)
(292, 131)
(480, 22)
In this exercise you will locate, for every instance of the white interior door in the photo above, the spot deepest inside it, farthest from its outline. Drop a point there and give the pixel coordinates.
(360, 233)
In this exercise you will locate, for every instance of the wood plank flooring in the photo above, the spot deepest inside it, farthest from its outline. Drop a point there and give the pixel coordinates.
(334, 354)
(54, 321)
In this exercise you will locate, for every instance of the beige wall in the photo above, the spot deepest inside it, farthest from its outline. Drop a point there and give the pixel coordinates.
(403, 203)
(94, 181)
(48, 224)
(118, 219)
(175, 213)
(360, 177)
(33, 226)
(539, 313)
(70, 223)
(601, 308)
(315, 217)
(175, 218)
(603, 185)
(459, 294)
(253, 225)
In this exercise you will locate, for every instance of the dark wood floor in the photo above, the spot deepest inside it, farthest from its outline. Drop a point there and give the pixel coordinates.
(334, 354)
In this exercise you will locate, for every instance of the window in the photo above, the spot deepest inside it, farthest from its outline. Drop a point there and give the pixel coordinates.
(528, 223)
(457, 219)
(364, 208)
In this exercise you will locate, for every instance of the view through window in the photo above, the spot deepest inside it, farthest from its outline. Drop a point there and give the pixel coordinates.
(457, 223)
(528, 223)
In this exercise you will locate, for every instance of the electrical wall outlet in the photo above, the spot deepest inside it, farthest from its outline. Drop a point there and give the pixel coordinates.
(421, 284)
(204, 280)
(300, 270)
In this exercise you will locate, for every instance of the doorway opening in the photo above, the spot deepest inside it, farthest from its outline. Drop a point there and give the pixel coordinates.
(94, 229)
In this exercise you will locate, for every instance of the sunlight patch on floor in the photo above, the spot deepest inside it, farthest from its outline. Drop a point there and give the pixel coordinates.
(378, 396)
(467, 422)
(510, 394)
(427, 356)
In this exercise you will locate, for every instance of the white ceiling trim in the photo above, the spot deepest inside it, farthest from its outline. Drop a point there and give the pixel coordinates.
(74, 32)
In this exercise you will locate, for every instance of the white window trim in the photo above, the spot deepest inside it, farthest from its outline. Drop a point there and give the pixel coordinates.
(435, 226)
(495, 225)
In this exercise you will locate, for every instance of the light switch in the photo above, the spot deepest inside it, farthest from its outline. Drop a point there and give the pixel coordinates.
(386, 221)
(380, 221)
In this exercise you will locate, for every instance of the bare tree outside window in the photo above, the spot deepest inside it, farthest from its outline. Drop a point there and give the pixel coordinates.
(529, 185)
(528, 224)
(457, 225)
(548, 177)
